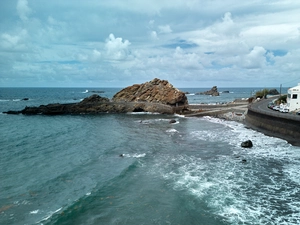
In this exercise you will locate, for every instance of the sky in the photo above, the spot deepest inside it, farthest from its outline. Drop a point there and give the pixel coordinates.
(117, 43)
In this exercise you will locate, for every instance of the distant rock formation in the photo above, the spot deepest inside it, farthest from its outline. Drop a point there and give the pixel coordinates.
(273, 92)
(154, 96)
(213, 92)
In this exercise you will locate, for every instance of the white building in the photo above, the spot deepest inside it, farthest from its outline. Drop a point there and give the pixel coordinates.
(293, 98)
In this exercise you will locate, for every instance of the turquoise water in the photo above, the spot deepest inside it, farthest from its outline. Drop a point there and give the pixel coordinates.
(68, 169)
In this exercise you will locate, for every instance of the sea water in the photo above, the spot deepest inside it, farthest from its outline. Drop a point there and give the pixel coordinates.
(68, 169)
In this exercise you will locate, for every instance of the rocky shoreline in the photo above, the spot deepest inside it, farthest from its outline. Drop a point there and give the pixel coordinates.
(155, 96)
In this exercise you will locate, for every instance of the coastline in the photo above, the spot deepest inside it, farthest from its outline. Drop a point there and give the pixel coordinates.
(270, 125)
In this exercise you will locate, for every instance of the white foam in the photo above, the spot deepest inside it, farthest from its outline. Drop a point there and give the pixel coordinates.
(50, 214)
(172, 130)
(143, 113)
(34, 211)
(136, 155)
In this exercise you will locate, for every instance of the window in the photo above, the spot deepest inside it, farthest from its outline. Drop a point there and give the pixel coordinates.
(294, 96)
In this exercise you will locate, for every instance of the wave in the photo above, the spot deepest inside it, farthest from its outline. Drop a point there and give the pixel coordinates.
(253, 186)
(91, 203)
(172, 131)
(86, 91)
(136, 155)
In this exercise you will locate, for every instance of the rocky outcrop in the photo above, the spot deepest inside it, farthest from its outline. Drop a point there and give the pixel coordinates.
(155, 91)
(273, 92)
(213, 92)
(154, 96)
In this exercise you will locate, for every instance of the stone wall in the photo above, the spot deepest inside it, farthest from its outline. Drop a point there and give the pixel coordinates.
(276, 124)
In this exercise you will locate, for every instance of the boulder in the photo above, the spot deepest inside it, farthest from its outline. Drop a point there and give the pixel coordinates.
(247, 144)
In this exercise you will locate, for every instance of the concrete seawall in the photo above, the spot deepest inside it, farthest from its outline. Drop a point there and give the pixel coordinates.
(273, 123)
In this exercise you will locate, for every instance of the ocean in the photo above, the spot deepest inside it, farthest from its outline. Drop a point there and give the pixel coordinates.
(68, 169)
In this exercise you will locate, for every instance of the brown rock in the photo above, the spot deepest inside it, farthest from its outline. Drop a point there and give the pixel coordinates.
(155, 91)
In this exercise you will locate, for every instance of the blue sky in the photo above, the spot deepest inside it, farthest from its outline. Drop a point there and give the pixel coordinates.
(117, 43)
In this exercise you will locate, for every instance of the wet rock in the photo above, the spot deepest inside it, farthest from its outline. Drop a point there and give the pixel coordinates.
(172, 121)
(247, 144)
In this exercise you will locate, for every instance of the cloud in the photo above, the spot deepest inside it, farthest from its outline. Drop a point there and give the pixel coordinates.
(166, 29)
(153, 35)
(190, 42)
(23, 9)
(116, 49)
(255, 59)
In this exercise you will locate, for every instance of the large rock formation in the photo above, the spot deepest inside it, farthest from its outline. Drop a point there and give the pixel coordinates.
(155, 91)
(213, 92)
(154, 96)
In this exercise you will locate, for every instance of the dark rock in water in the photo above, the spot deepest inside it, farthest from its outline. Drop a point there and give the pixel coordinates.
(172, 121)
(25, 99)
(213, 92)
(244, 160)
(247, 144)
(225, 92)
(12, 112)
(273, 92)
(97, 91)
(154, 96)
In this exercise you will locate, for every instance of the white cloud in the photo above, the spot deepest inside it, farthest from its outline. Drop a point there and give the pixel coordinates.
(255, 59)
(96, 55)
(13, 42)
(116, 48)
(166, 29)
(23, 9)
(196, 41)
(153, 35)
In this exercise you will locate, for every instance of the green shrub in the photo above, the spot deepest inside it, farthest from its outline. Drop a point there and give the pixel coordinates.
(282, 99)
(262, 93)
